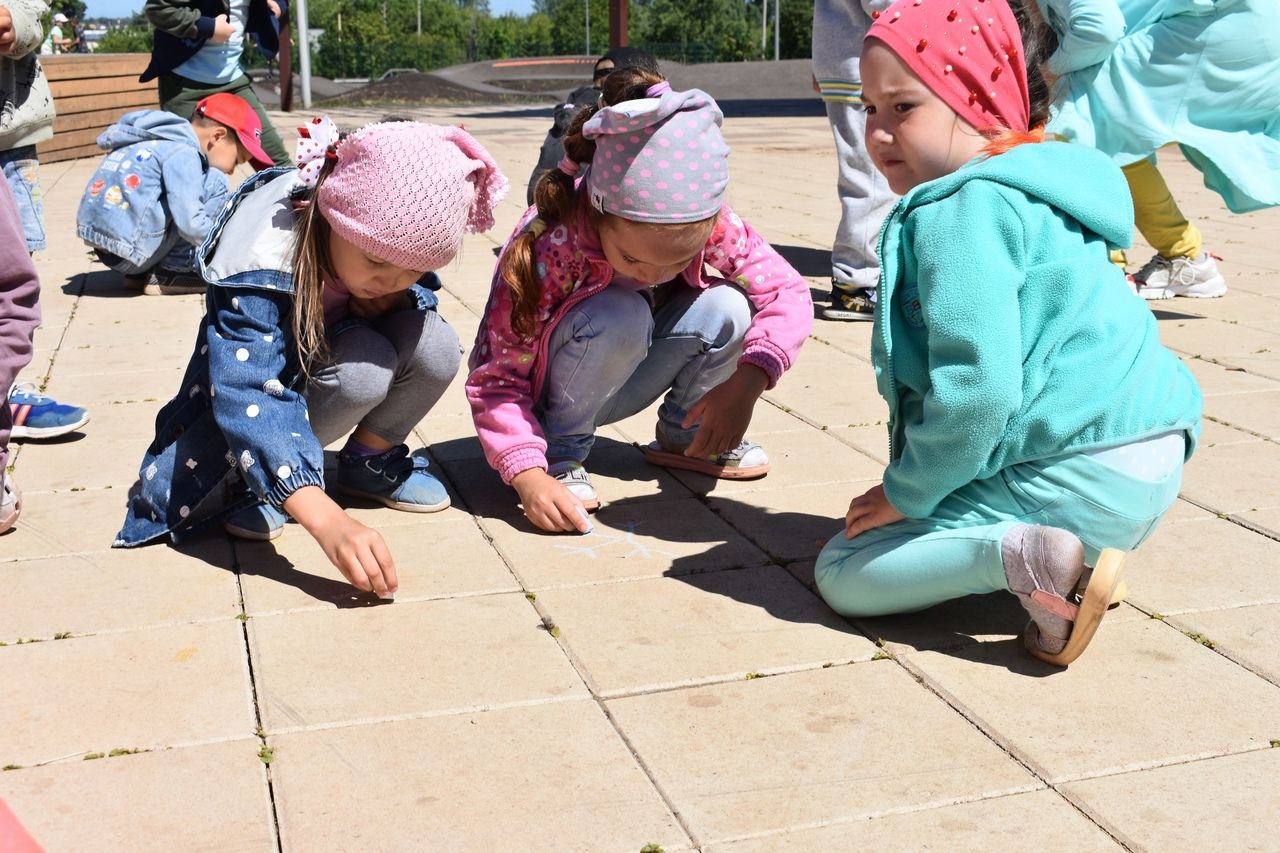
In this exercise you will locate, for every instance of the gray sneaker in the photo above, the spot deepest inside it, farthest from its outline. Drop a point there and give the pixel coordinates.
(10, 504)
(166, 283)
(1165, 278)
(576, 479)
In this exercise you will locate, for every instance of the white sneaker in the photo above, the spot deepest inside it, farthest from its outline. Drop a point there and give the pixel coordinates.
(1165, 278)
(576, 479)
(10, 504)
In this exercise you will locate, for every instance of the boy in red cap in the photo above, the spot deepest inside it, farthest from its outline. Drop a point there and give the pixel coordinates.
(155, 196)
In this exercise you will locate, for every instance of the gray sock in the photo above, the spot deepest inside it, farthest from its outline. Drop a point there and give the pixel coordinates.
(1042, 566)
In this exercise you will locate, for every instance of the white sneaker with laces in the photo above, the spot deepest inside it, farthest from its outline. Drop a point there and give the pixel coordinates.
(1165, 278)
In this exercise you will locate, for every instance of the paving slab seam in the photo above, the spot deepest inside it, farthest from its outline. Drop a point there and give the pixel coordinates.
(1237, 427)
(668, 573)
(63, 636)
(254, 702)
(989, 732)
(726, 678)
(15, 449)
(400, 599)
(1234, 518)
(916, 808)
(158, 747)
(410, 716)
(842, 349)
(1142, 767)
(1226, 361)
(1189, 631)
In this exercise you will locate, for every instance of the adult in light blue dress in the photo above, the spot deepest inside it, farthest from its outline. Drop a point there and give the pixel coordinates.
(1135, 75)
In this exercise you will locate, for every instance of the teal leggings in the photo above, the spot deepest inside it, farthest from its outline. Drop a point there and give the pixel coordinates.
(919, 562)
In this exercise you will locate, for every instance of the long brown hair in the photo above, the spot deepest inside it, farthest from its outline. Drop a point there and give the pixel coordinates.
(556, 200)
(310, 265)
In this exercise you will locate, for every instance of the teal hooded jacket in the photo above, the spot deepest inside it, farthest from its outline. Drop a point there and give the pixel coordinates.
(1003, 332)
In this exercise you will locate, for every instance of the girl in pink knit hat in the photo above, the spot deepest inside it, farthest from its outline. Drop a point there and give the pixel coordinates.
(1037, 428)
(321, 323)
(600, 305)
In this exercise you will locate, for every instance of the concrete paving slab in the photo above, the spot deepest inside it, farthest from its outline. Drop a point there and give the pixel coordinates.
(47, 527)
(75, 462)
(106, 591)
(145, 689)
(843, 743)
(1205, 563)
(1258, 413)
(1234, 477)
(319, 668)
(808, 458)
(655, 634)
(542, 777)
(1248, 635)
(1216, 379)
(630, 540)
(446, 558)
(790, 523)
(193, 798)
(1097, 716)
(1215, 804)
(997, 824)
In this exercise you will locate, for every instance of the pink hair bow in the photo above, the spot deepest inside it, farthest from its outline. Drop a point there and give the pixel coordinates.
(317, 142)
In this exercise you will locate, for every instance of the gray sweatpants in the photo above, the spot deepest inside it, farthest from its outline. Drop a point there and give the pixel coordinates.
(384, 375)
(865, 200)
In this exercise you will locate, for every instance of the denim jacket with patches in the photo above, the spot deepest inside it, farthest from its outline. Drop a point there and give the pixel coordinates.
(240, 409)
(155, 180)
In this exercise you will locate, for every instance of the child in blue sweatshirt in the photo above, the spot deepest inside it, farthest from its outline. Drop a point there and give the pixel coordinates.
(1037, 426)
(153, 199)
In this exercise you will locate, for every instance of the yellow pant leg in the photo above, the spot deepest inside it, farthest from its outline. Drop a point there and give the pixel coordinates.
(1156, 214)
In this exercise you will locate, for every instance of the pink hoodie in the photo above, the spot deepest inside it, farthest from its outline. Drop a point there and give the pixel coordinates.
(507, 374)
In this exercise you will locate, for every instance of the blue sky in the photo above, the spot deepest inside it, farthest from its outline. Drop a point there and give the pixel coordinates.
(122, 8)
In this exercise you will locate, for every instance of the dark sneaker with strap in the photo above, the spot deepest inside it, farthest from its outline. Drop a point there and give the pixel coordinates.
(393, 478)
(36, 415)
(169, 283)
(857, 303)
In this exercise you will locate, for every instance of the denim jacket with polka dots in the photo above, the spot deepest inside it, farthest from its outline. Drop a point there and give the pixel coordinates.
(240, 409)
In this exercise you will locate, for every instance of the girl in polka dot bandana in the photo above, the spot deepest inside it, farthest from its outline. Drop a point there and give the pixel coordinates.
(320, 323)
(600, 305)
(1037, 427)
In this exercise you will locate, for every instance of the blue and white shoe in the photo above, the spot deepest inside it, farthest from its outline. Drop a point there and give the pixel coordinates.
(259, 523)
(393, 478)
(36, 415)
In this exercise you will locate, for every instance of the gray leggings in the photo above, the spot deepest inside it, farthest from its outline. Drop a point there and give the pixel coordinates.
(384, 375)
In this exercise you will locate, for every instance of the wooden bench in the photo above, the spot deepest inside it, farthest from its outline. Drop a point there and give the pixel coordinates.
(90, 92)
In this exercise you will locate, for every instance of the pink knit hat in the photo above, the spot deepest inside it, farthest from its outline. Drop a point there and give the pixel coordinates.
(406, 191)
(968, 52)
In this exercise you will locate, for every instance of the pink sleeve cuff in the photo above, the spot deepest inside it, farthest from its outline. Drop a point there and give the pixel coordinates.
(519, 459)
(768, 358)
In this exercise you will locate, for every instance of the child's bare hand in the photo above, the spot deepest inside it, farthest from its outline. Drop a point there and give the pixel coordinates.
(549, 504)
(869, 511)
(7, 35)
(724, 413)
(223, 29)
(274, 7)
(361, 555)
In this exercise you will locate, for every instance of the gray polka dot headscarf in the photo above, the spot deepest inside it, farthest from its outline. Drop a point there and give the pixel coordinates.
(659, 158)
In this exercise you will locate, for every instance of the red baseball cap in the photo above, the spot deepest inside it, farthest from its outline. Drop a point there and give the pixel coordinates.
(235, 113)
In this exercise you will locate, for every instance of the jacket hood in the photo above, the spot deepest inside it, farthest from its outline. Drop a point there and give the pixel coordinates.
(1078, 180)
(147, 126)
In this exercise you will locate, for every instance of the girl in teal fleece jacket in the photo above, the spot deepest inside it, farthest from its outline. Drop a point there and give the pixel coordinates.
(1037, 426)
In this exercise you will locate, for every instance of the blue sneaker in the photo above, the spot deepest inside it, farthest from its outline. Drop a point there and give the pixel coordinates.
(38, 416)
(260, 523)
(393, 478)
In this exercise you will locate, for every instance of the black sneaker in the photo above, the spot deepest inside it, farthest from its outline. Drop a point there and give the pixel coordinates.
(846, 304)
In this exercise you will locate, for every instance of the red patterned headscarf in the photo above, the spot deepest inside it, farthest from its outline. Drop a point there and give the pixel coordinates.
(969, 54)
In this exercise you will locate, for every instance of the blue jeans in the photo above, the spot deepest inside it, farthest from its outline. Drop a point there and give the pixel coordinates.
(175, 255)
(616, 352)
(21, 170)
(916, 563)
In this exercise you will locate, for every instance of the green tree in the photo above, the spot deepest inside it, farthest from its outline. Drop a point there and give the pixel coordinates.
(127, 39)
